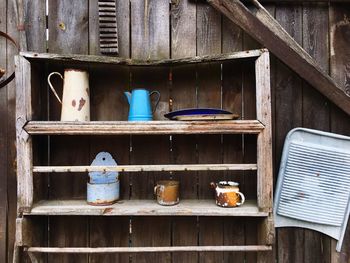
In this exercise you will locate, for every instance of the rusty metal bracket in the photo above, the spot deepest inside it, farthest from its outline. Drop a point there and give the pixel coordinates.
(264, 28)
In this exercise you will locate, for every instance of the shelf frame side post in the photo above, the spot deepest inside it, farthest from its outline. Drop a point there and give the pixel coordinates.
(264, 153)
(24, 141)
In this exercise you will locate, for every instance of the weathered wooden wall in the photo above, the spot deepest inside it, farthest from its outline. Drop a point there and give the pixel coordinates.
(159, 29)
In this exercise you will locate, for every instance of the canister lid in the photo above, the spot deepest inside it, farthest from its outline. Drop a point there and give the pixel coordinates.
(103, 159)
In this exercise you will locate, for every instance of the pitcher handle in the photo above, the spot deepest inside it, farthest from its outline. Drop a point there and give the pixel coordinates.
(51, 87)
(157, 92)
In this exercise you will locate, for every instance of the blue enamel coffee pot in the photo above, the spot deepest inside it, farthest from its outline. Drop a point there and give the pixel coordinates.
(140, 104)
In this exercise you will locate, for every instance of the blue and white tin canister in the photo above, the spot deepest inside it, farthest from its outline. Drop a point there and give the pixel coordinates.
(103, 187)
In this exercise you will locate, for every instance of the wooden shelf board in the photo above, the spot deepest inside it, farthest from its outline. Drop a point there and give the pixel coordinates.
(149, 127)
(134, 62)
(97, 250)
(146, 168)
(144, 208)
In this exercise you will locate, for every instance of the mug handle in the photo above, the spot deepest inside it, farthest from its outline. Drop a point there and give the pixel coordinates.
(156, 189)
(51, 87)
(157, 92)
(242, 199)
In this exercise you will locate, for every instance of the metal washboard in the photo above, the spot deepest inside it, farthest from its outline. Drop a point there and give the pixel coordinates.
(313, 187)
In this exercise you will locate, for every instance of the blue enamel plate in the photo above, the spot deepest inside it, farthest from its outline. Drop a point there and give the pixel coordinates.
(201, 114)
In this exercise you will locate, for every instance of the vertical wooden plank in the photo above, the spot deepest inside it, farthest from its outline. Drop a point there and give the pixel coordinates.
(94, 33)
(316, 112)
(264, 152)
(288, 103)
(183, 95)
(68, 28)
(150, 40)
(108, 103)
(232, 40)
(3, 140)
(12, 30)
(36, 25)
(35, 17)
(123, 24)
(24, 142)
(249, 112)
(209, 147)
(150, 29)
(249, 184)
(340, 71)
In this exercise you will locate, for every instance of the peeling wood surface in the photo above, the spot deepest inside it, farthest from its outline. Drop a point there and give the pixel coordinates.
(147, 249)
(288, 99)
(145, 208)
(151, 127)
(143, 61)
(146, 168)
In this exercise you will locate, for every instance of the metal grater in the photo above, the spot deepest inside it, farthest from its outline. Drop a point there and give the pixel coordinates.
(313, 188)
(108, 27)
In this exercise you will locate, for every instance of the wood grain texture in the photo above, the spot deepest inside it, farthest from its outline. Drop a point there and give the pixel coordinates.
(264, 152)
(78, 250)
(69, 33)
(24, 142)
(36, 25)
(150, 40)
(3, 141)
(150, 29)
(67, 20)
(139, 128)
(145, 207)
(288, 103)
(209, 148)
(147, 167)
(108, 104)
(265, 29)
(123, 23)
(339, 70)
(249, 185)
(316, 112)
(11, 28)
(183, 95)
(232, 40)
(134, 62)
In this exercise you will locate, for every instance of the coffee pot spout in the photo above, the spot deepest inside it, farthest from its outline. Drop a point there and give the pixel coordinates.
(128, 96)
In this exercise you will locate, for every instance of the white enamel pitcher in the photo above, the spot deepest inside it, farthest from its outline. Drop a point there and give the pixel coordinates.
(75, 99)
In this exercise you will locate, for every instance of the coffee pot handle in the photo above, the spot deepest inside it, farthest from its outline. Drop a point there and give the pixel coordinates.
(51, 87)
(155, 92)
(242, 199)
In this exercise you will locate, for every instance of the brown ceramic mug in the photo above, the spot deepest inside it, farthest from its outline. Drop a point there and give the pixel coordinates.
(227, 194)
(167, 192)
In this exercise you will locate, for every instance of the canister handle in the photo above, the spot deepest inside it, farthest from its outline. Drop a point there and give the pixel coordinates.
(242, 199)
(51, 87)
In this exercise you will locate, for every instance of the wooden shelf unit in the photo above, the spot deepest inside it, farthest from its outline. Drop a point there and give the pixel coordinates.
(28, 125)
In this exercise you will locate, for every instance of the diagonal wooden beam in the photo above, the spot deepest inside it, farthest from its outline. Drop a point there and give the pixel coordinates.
(265, 29)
